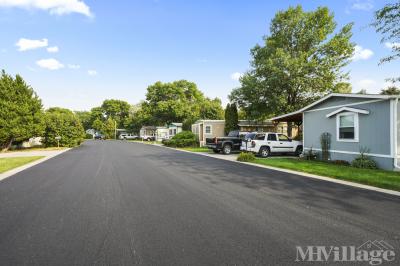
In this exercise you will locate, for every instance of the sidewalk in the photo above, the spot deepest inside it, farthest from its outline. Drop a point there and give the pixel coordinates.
(47, 154)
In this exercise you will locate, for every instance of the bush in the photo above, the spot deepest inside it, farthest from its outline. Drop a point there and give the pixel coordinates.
(184, 135)
(363, 161)
(181, 140)
(246, 157)
(88, 136)
(309, 154)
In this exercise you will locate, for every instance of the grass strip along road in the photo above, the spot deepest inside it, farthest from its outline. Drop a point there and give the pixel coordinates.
(376, 178)
(7, 164)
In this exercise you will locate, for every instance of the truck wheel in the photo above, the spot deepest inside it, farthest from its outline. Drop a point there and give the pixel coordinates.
(215, 151)
(264, 152)
(227, 149)
(299, 150)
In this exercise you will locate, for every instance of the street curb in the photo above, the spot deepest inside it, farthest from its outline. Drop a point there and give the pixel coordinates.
(29, 165)
(324, 178)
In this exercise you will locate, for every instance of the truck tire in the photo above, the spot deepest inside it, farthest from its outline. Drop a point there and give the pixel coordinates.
(299, 150)
(215, 151)
(227, 149)
(264, 152)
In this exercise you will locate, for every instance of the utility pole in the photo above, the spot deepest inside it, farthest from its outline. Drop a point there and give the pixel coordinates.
(115, 129)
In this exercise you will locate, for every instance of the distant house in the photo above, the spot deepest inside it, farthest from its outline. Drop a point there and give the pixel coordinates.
(354, 122)
(147, 131)
(174, 128)
(161, 132)
(264, 126)
(208, 129)
(216, 128)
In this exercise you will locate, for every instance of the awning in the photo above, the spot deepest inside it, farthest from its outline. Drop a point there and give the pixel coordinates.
(296, 117)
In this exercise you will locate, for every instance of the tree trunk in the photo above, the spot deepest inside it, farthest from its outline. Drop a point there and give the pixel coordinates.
(7, 145)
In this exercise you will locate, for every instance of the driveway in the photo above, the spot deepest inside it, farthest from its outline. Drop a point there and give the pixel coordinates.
(119, 203)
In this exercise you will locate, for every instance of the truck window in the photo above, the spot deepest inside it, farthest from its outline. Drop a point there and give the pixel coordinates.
(260, 137)
(234, 133)
(250, 136)
(283, 137)
(271, 137)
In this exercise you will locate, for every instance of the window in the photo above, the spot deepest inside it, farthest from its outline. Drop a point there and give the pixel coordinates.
(170, 132)
(347, 127)
(260, 137)
(208, 129)
(283, 137)
(271, 137)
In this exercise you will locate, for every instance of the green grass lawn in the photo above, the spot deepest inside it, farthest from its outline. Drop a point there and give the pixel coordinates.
(377, 178)
(196, 149)
(13, 162)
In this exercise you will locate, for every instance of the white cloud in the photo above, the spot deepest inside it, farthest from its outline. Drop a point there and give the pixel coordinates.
(58, 7)
(392, 45)
(27, 44)
(72, 66)
(53, 49)
(236, 75)
(51, 64)
(92, 72)
(361, 53)
(364, 5)
(367, 84)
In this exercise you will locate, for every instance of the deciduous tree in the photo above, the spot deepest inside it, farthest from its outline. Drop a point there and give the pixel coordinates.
(301, 60)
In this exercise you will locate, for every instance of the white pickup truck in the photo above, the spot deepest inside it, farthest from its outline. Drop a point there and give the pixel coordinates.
(264, 144)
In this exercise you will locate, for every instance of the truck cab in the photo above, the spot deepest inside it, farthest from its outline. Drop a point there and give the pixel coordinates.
(265, 144)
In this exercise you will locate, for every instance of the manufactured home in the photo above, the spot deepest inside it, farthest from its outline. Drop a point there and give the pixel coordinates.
(355, 122)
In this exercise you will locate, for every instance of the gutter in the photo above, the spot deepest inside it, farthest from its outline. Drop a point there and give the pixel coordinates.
(395, 161)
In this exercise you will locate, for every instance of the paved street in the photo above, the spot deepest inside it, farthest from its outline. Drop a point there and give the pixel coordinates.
(120, 203)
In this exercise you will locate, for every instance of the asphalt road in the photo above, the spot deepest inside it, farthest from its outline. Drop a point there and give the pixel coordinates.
(119, 203)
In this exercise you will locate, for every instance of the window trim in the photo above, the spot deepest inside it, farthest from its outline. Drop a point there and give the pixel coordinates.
(205, 129)
(356, 127)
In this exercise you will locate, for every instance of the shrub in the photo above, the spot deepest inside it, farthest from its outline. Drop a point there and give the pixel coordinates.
(182, 139)
(185, 135)
(246, 157)
(363, 161)
(325, 140)
(309, 154)
(88, 136)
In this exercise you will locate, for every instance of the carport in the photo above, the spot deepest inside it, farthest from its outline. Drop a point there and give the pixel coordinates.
(295, 118)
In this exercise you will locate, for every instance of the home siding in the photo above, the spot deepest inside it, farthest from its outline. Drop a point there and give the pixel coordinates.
(374, 129)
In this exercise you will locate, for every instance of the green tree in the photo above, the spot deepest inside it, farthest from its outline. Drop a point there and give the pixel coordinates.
(387, 23)
(64, 123)
(117, 110)
(98, 125)
(231, 118)
(392, 90)
(85, 118)
(178, 101)
(109, 128)
(301, 60)
(21, 115)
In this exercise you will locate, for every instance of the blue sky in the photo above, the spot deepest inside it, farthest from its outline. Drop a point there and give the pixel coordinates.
(115, 49)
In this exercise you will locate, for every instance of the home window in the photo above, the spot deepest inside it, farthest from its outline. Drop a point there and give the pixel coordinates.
(208, 129)
(347, 127)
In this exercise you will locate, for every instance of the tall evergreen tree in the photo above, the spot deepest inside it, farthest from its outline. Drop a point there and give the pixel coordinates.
(21, 114)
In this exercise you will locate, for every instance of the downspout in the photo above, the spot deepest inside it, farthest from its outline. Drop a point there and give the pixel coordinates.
(395, 133)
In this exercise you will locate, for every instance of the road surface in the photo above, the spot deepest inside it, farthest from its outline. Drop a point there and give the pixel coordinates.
(121, 203)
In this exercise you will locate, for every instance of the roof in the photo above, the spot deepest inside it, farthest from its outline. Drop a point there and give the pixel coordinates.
(176, 124)
(148, 127)
(209, 121)
(351, 95)
(349, 109)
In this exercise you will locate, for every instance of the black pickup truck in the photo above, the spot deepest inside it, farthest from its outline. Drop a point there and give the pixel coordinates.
(226, 144)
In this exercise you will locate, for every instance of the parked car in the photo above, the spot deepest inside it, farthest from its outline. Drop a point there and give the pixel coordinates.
(126, 136)
(99, 136)
(226, 144)
(264, 144)
(148, 138)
